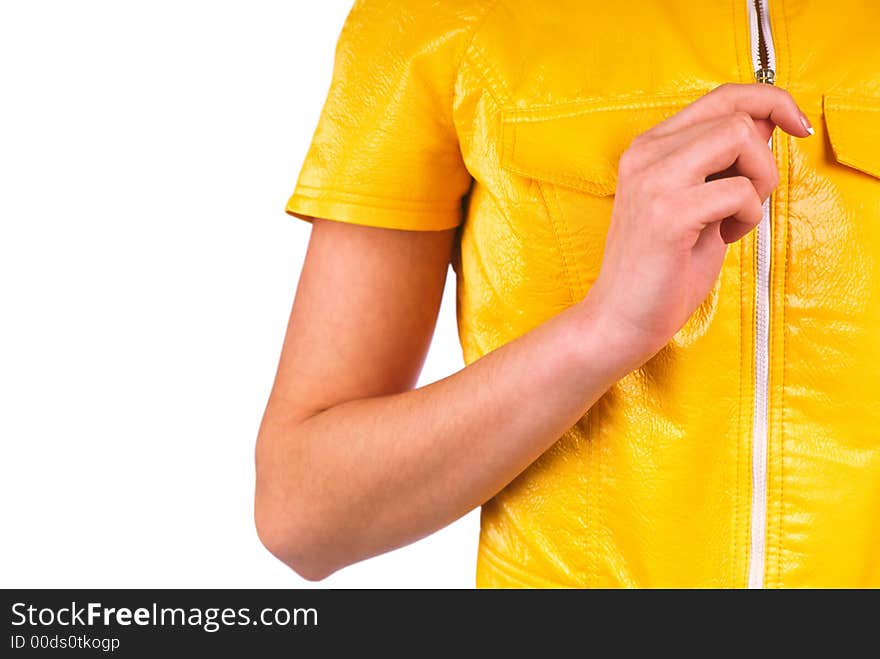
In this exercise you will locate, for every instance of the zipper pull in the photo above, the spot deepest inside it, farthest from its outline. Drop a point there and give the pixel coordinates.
(765, 75)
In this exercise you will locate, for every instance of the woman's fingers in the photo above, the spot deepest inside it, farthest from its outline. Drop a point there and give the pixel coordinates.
(700, 177)
(768, 105)
(732, 141)
(733, 201)
(655, 149)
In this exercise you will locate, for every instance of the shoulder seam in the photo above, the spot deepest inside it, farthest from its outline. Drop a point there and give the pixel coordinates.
(475, 29)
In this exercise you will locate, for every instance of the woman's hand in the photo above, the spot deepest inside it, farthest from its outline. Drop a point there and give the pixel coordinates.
(686, 189)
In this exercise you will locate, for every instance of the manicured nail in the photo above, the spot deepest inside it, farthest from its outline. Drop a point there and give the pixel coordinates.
(807, 125)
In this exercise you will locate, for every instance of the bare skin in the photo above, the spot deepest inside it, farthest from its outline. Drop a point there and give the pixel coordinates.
(353, 461)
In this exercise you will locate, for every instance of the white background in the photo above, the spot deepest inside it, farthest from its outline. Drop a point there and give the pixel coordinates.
(147, 269)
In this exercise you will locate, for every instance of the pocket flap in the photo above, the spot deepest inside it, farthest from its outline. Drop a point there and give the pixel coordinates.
(853, 124)
(579, 145)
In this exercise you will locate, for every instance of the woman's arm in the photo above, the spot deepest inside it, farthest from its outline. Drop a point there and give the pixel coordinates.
(353, 462)
(350, 461)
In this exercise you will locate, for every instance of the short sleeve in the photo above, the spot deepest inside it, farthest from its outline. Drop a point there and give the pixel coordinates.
(385, 152)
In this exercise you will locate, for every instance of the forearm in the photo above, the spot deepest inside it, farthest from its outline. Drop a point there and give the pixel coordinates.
(369, 475)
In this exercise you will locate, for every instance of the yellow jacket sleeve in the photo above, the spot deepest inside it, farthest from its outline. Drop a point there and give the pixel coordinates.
(385, 152)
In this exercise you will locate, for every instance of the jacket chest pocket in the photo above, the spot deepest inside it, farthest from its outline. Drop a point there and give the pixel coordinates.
(569, 154)
(833, 200)
(853, 126)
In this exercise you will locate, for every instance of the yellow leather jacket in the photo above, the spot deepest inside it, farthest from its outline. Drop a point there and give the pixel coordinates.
(745, 453)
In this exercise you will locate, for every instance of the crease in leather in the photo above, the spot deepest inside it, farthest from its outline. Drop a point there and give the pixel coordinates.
(511, 572)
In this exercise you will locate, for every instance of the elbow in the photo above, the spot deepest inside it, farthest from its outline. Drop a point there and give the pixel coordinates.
(293, 545)
(286, 521)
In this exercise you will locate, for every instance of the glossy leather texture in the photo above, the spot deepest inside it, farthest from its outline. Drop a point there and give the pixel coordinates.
(522, 109)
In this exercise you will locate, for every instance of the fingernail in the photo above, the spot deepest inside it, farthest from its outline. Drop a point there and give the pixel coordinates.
(807, 125)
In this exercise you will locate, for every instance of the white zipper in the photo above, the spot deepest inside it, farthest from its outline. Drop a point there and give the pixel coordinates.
(764, 61)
